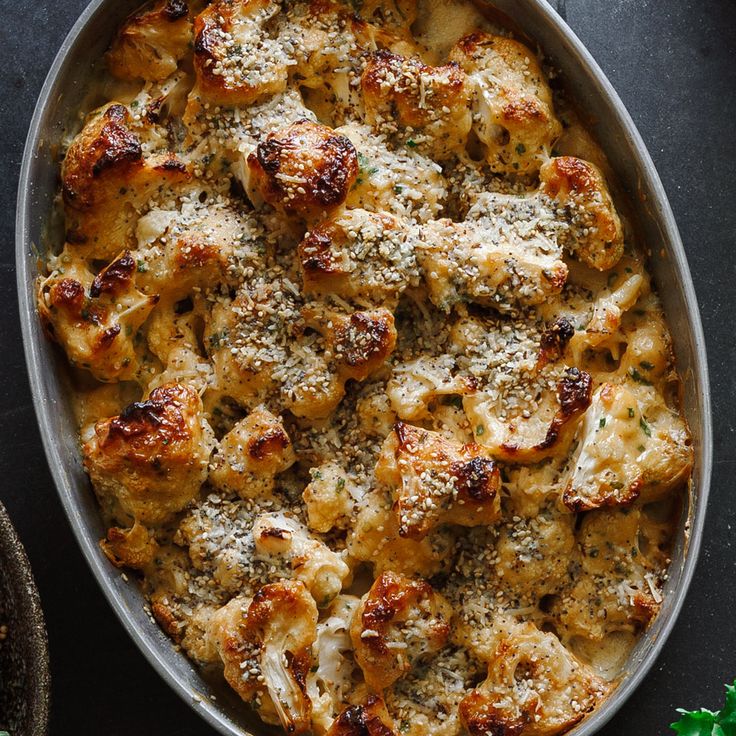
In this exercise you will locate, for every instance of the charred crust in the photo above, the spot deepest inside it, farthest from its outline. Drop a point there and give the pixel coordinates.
(574, 392)
(175, 9)
(172, 164)
(576, 503)
(270, 441)
(480, 719)
(331, 157)
(108, 336)
(363, 339)
(162, 412)
(476, 478)
(166, 620)
(357, 720)
(68, 293)
(469, 44)
(114, 278)
(315, 252)
(118, 144)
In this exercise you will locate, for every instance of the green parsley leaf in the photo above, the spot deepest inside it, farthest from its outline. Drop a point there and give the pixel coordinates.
(708, 723)
(631, 413)
(638, 377)
(602, 422)
(648, 432)
(646, 365)
(411, 143)
(480, 429)
(520, 149)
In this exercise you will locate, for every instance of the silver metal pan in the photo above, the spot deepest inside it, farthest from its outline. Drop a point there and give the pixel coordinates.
(65, 93)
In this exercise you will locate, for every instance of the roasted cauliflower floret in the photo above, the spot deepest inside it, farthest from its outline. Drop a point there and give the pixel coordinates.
(194, 249)
(105, 159)
(150, 44)
(595, 235)
(416, 385)
(134, 547)
(365, 256)
(403, 180)
(603, 330)
(330, 683)
(513, 115)
(150, 461)
(359, 343)
(96, 318)
(237, 58)
(368, 719)
(375, 538)
(266, 648)
(535, 687)
(523, 436)
(251, 454)
(303, 170)
(323, 571)
(465, 262)
(407, 100)
(399, 622)
(631, 446)
(619, 585)
(329, 498)
(437, 481)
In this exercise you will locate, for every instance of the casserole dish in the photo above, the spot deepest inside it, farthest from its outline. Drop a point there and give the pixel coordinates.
(65, 93)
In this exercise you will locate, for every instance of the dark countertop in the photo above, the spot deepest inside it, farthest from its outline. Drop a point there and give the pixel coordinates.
(674, 64)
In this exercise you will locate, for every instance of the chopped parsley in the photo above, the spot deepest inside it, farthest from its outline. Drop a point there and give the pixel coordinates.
(631, 413)
(411, 143)
(480, 429)
(639, 378)
(520, 149)
(602, 423)
(645, 427)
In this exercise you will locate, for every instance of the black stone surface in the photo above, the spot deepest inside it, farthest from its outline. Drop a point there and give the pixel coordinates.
(674, 64)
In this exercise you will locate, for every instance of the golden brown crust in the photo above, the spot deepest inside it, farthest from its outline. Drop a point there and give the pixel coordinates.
(436, 481)
(368, 719)
(150, 44)
(398, 621)
(150, 460)
(596, 237)
(305, 170)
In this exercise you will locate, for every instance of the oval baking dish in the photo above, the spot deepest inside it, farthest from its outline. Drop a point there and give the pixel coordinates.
(67, 90)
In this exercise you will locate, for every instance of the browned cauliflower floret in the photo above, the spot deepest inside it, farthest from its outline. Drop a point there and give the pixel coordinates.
(150, 43)
(417, 385)
(467, 262)
(375, 538)
(96, 318)
(181, 252)
(399, 622)
(437, 481)
(279, 536)
(631, 446)
(535, 687)
(266, 648)
(524, 436)
(358, 344)
(134, 547)
(365, 256)
(412, 102)
(330, 683)
(513, 115)
(237, 59)
(103, 160)
(150, 461)
(619, 585)
(303, 170)
(595, 236)
(401, 179)
(251, 454)
(329, 498)
(368, 719)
